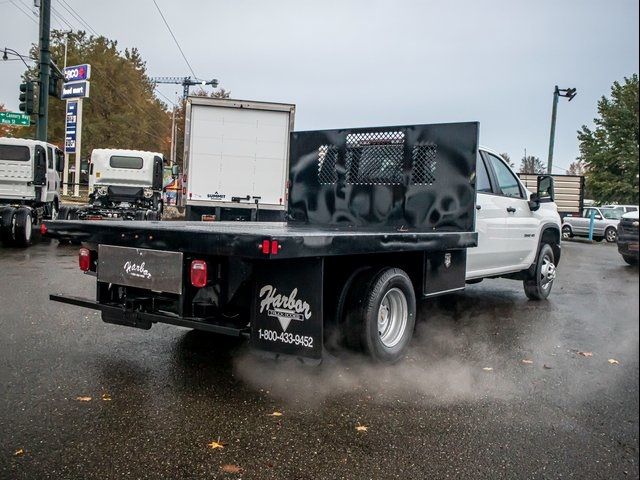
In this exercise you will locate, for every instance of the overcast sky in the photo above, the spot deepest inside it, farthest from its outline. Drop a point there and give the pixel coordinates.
(363, 63)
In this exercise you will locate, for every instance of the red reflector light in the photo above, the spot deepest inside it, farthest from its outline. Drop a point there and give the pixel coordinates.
(274, 247)
(198, 273)
(43, 229)
(266, 247)
(84, 259)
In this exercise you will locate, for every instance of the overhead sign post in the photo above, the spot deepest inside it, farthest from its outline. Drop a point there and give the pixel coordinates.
(11, 118)
(74, 90)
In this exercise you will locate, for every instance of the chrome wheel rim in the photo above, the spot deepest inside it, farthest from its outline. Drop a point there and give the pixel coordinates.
(566, 232)
(393, 315)
(547, 273)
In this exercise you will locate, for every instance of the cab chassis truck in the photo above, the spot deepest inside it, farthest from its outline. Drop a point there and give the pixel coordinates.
(376, 218)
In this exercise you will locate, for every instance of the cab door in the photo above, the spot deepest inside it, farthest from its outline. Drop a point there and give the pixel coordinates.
(522, 223)
(486, 258)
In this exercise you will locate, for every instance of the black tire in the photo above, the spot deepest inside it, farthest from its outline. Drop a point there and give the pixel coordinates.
(539, 286)
(567, 232)
(373, 292)
(140, 215)
(8, 226)
(73, 214)
(631, 260)
(611, 235)
(23, 227)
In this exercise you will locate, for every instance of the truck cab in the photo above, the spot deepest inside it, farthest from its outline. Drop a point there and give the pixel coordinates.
(29, 187)
(509, 225)
(123, 184)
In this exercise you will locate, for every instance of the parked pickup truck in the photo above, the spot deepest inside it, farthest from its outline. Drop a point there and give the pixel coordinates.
(605, 224)
(376, 218)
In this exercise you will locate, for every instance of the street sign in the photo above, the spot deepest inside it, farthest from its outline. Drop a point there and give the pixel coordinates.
(75, 90)
(70, 129)
(77, 73)
(11, 118)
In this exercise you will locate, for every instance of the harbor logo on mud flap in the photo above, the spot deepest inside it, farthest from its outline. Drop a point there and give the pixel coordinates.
(284, 308)
(138, 270)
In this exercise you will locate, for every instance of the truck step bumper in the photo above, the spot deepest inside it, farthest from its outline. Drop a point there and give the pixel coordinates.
(120, 316)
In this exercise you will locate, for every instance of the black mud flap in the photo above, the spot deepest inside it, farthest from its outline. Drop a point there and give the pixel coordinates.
(286, 314)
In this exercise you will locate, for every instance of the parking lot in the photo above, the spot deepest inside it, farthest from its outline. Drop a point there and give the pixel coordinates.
(494, 386)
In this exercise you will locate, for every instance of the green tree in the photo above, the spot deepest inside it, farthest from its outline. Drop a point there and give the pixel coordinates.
(610, 151)
(531, 164)
(122, 110)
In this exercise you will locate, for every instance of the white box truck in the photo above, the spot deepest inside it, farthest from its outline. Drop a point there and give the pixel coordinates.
(236, 159)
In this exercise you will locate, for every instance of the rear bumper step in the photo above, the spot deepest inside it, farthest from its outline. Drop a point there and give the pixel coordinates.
(120, 316)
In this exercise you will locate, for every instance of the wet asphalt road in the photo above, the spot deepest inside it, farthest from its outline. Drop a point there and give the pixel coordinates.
(463, 404)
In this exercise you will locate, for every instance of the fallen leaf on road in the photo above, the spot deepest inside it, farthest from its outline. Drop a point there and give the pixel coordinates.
(361, 428)
(19, 452)
(83, 399)
(488, 369)
(528, 362)
(106, 397)
(613, 361)
(586, 354)
(275, 414)
(230, 468)
(214, 445)
(548, 367)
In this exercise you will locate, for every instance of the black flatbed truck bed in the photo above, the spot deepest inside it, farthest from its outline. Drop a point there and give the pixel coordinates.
(245, 240)
(361, 202)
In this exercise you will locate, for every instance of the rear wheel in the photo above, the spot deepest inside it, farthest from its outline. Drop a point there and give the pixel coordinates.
(23, 230)
(611, 235)
(567, 232)
(140, 215)
(8, 226)
(63, 213)
(380, 314)
(538, 286)
(630, 259)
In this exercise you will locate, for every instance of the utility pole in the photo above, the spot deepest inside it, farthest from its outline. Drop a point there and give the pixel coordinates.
(45, 60)
(557, 93)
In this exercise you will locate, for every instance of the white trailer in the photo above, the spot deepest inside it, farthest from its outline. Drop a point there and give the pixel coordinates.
(236, 159)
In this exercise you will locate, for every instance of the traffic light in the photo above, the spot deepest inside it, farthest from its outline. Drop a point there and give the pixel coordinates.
(54, 89)
(27, 94)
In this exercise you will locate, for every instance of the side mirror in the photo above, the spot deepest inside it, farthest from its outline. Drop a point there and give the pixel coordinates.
(157, 173)
(59, 162)
(534, 202)
(174, 171)
(546, 191)
(40, 166)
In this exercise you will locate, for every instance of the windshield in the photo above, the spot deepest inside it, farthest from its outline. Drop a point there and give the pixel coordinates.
(611, 213)
(16, 153)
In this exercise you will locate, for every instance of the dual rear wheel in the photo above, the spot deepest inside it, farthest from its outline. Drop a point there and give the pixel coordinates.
(16, 226)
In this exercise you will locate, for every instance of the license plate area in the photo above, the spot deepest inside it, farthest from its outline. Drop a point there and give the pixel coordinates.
(155, 270)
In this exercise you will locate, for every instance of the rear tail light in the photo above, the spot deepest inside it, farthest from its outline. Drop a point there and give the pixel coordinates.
(198, 273)
(84, 259)
(270, 247)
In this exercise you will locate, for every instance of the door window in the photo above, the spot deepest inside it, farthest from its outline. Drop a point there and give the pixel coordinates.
(50, 158)
(507, 181)
(483, 185)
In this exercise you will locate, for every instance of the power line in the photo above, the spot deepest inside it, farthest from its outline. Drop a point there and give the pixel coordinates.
(77, 16)
(166, 98)
(61, 18)
(30, 17)
(175, 40)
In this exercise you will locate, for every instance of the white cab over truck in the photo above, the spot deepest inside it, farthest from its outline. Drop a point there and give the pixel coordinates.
(236, 159)
(29, 187)
(123, 184)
